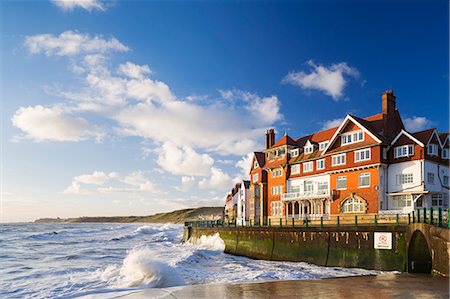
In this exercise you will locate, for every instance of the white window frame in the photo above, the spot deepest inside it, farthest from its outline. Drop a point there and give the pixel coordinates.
(320, 164)
(323, 145)
(338, 160)
(294, 152)
(445, 180)
(362, 176)
(255, 177)
(404, 179)
(295, 169)
(439, 198)
(404, 151)
(401, 201)
(353, 205)
(277, 208)
(308, 149)
(276, 190)
(255, 164)
(432, 149)
(445, 153)
(322, 188)
(352, 137)
(362, 155)
(341, 178)
(277, 173)
(308, 167)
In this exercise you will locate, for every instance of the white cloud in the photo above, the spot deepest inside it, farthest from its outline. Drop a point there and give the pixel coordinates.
(40, 123)
(187, 182)
(183, 160)
(71, 43)
(331, 80)
(133, 182)
(96, 178)
(331, 123)
(417, 123)
(244, 165)
(218, 180)
(133, 70)
(89, 5)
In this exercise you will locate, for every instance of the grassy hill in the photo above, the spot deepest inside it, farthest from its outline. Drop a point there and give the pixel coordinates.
(178, 216)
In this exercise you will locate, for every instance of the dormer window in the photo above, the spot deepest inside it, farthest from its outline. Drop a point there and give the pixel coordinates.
(352, 137)
(403, 151)
(445, 153)
(323, 145)
(255, 164)
(432, 149)
(294, 152)
(281, 152)
(308, 149)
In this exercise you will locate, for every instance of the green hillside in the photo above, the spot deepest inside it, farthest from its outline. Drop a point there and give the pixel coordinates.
(178, 216)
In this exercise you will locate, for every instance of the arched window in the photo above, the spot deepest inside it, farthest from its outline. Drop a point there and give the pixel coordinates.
(353, 205)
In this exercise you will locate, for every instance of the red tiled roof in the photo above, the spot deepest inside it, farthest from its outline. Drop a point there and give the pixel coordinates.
(424, 136)
(375, 126)
(443, 136)
(316, 137)
(285, 140)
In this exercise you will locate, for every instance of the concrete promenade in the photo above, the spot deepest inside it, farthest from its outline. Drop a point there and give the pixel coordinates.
(380, 287)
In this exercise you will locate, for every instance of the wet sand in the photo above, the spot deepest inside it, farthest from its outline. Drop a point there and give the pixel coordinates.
(382, 286)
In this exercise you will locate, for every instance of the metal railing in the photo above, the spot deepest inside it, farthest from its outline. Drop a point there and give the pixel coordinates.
(304, 195)
(438, 217)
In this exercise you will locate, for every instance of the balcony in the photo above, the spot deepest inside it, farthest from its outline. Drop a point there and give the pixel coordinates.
(305, 195)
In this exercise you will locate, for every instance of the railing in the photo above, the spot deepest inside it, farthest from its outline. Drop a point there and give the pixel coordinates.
(304, 195)
(438, 217)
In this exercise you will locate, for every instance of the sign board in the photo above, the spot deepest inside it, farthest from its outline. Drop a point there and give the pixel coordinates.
(382, 241)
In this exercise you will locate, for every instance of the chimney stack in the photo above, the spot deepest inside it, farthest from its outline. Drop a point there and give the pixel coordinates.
(391, 125)
(270, 138)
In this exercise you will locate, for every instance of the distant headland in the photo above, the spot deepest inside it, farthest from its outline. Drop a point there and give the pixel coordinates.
(178, 216)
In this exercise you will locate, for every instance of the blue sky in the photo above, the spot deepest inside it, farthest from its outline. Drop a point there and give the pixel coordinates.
(137, 107)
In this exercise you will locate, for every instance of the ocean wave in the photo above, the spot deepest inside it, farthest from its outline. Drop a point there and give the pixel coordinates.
(140, 268)
(213, 242)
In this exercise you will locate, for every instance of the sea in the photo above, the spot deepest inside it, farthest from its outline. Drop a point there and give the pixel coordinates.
(61, 260)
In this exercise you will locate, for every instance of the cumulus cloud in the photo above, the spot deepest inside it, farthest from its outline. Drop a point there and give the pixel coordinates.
(417, 123)
(219, 180)
(244, 165)
(133, 182)
(133, 70)
(88, 5)
(332, 123)
(41, 123)
(71, 43)
(183, 160)
(187, 182)
(330, 80)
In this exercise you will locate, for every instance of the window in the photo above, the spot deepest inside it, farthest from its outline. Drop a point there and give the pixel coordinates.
(437, 200)
(432, 149)
(353, 205)
(384, 153)
(323, 145)
(362, 155)
(430, 177)
(281, 152)
(295, 169)
(404, 178)
(255, 164)
(401, 201)
(341, 183)
(352, 137)
(309, 149)
(364, 180)
(403, 151)
(294, 152)
(445, 153)
(308, 167)
(338, 160)
(308, 187)
(320, 164)
(276, 190)
(445, 180)
(277, 173)
(277, 208)
(255, 177)
(322, 188)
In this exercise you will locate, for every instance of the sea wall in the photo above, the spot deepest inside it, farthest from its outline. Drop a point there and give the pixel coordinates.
(330, 246)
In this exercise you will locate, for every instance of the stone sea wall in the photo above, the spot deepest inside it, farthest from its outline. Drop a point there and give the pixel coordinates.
(330, 246)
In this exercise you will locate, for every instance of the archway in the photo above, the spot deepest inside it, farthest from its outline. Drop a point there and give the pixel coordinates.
(419, 257)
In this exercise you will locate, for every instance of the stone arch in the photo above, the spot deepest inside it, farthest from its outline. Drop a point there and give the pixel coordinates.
(419, 255)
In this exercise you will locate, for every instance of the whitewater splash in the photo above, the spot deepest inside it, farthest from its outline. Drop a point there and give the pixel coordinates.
(95, 259)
